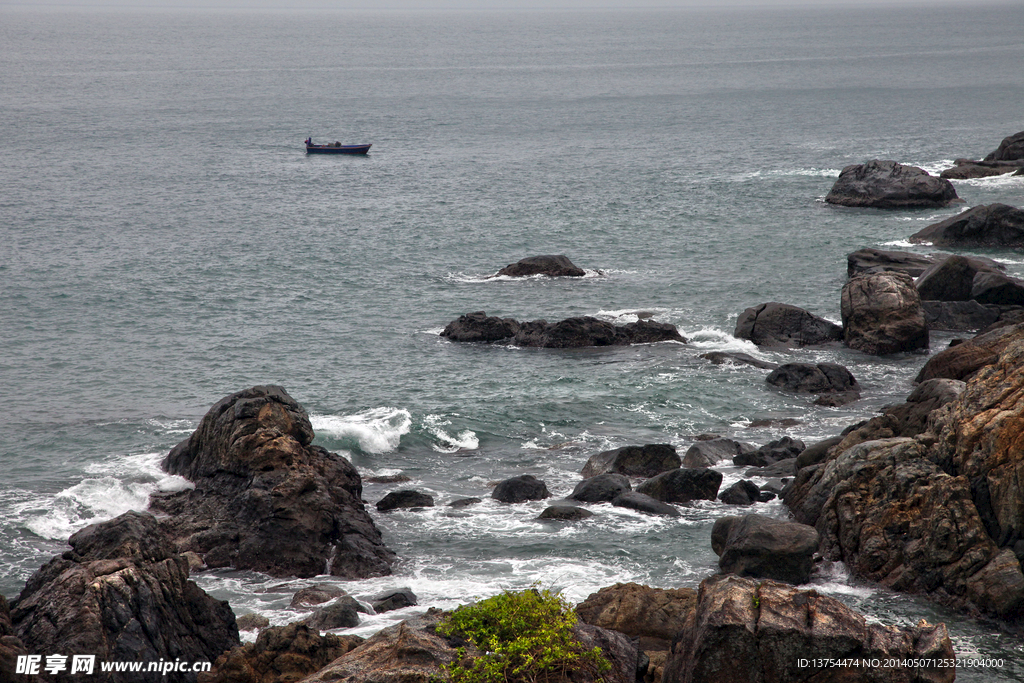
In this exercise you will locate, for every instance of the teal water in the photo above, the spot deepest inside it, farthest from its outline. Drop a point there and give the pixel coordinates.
(165, 241)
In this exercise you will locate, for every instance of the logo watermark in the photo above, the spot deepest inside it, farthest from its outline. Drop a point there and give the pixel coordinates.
(30, 665)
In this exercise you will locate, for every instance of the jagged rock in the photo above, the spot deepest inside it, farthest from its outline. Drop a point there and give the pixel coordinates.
(771, 453)
(713, 451)
(406, 498)
(641, 502)
(121, 593)
(553, 266)
(600, 489)
(265, 498)
(565, 513)
(315, 595)
(480, 327)
(682, 485)
(889, 185)
(867, 261)
(882, 314)
(585, 331)
(281, 654)
(341, 612)
(252, 622)
(806, 378)
(993, 225)
(775, 324)
(633, 461)
(762, 547)
(743, 492)
(747, 631)
(392, 600)
(654, 615)
(963, 360)
(520, 489)
(724, 357)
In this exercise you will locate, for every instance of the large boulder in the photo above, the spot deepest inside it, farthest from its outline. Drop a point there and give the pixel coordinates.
(710, 452)
(807, 378)
(772, 452)
(553, 266)
(600, 489)
(775, 324)
(889, 185)
(266, 498)
(743, 492)
(405, 499)
(950, 279)
(682, 485)
(762, 547)
(341, 612)
(959, 316)
(641, 502)
(998, 289)
(654, 615)
(867, 261)
(1010, 149)
(122, 594)
(387, 601)
(520, 489)
(280, 654)
(747, 631)
(994, 225)
(965, 359)
(587, 331)
(882, 314)
(633, 461)
(480, 327)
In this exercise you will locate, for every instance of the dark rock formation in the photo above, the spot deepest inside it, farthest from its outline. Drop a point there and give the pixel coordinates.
(553, 266)
(315, 595)
(654, 615)
(964, 169)
(771, 453)
(959, 316)
(11, 647)
(743, 492)
(281, 654)
(1010, 149)
(805, 378)
(619, 650)
(464, 502)
(520, 489)
(633, 461)
(406, 498)
(564, 513)
(765, 548)
(266, 498)
(782, 468)
(641, 502)
(775, 324)
(480, 327)
(341, 612)
(726, 358)
(573, 333)
(963, 360)
(994, 225)
(252, 622)
(998, 289)
(746, 631)
(682, 485)
(713, 451)
(889, 185)
(868, 261)
(392, 600)
(882, 314)
(600, 489)
(950, 279)
(122, 593)
(816, 452)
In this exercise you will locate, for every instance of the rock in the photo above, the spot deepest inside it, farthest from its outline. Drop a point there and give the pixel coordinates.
(553, 266)
(619, 650)
(994, 225)
(464, 502)
(339, 613)
(997, 288)
(565, 513)
(726, 358)
(520, 489)
(747, 631)
(315, 595)
(867, 261)
(782, 468)
(600, 489)
(964, 169)
(586, 331)
(765, 548)
(265, 498)
(406, 498)
(949, 280)
(711, 452)
(654, 615)
(280, 655)
(388, 479)
(122, 594)
(641, 502)
(480, 327)
(771, 453)
(805, 378)
(882, 314)
(392, 600)
(963, 360)
(1010, 149)
(958, 316)
(682, 485)
(743, 492)
(889, 185)
(11, 647)
(775, 324)
(817, 452)
(633, 461)
(252, 622)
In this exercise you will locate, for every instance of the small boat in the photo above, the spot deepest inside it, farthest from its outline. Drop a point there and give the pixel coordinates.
(335, 148)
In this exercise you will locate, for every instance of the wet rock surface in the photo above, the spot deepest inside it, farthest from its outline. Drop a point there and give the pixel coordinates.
(775, 324)
(762, 547)
(552, 266)
(633, 461)
(282, 654)
(884, 184)
(882, 314)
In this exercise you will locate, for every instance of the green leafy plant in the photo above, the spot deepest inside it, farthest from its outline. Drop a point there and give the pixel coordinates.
(523, 637)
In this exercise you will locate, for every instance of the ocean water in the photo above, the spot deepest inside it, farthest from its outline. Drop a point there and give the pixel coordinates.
(165, 241)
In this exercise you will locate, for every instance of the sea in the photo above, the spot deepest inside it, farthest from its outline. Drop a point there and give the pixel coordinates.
(165, 241)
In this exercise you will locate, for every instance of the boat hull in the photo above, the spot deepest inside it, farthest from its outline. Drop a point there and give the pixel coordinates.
(344, 149)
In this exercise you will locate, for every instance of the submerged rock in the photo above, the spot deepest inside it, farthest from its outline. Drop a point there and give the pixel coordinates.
(641, 502)
(341, 612)
(889, 185)
(480, 327)
(806, 378)
(393, 599)
(710, 452)
(552, 266)
(565, 513)
(775, 324)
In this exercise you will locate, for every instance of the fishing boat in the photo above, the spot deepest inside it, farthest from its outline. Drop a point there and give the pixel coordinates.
(335, 148)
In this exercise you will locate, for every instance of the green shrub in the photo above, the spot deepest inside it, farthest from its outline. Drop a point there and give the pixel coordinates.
(523, 637)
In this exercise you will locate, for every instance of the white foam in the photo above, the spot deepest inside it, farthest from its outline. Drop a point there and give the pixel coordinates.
(377, 430)
(904, 244)
(466, 440)
(465, 278)
(710, 338)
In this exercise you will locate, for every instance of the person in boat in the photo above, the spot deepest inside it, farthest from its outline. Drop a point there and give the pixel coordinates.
(309, 141)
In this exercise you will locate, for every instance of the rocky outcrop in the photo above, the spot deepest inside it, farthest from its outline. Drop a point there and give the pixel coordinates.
(959, 316)
(280, 654)
(388, 601)
(520, 489)
(965, 359)
(566, 334)
(1006, 158)
(315, 595)
(641, 502)
(480, 327)
(600, 489)
(889, 185)
(1010, 149)
(682, 485)
(868, 261)
(405, 499)
(807, 378)
(775, 324)
(994, 225)
(882, 314)
(765, 548)
(341, 612)
(747, 631)
(654, 615)
(710, 452)
(633, 461)
(552, 266)
(565, 513)
(121, 593)
(952, 279)
(998, 289)
(266, 498)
